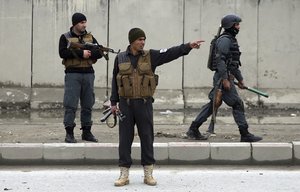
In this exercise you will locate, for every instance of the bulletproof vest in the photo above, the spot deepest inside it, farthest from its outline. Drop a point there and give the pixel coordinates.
(233, 57)
(78, 62)
(139, 82)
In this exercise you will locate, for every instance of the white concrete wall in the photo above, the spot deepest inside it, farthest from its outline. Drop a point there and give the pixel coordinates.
(30, 30)
(15, 42)
(162, 22)
(202, 19)
(52, 18)
(279, 44)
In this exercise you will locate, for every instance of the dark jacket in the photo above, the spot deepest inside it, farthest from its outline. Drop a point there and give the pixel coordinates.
(65, 53)
(224, 66)
(158, 57)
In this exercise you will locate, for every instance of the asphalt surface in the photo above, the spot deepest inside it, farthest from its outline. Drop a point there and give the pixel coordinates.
(169, 178)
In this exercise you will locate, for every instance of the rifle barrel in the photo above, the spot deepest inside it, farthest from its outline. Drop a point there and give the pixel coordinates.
(106, 116)
(88, 45)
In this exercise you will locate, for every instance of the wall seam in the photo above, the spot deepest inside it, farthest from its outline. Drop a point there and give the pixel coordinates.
(183, 59)
(257, 43)
(31, 57)
(31, 54)
(259, 101)
(107, 41)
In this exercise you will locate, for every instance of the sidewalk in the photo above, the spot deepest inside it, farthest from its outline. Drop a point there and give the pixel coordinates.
(37, 137)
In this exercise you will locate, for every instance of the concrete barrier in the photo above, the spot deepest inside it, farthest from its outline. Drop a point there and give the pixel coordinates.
(296, 152)
(272, 153)
(189, 152)
(29, 60)
(230, 153)
(200, 153)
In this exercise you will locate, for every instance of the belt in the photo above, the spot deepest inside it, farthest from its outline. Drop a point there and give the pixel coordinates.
(145, 99)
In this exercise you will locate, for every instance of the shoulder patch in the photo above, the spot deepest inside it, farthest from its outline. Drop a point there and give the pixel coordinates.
(163, 50)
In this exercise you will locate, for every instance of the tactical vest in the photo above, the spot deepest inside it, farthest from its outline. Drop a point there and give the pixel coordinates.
(78, 62)
(233, 57)
(139, 82)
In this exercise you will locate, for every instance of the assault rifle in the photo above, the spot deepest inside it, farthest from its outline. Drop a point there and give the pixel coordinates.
(90, 46)
(107, 113)
(217, 97)
(217, 101)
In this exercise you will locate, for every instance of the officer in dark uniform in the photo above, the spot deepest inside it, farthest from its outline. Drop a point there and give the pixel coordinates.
(228, 62)
(133, 85)
(79, 78)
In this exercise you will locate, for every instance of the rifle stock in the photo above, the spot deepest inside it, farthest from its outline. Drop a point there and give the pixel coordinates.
(217, 102)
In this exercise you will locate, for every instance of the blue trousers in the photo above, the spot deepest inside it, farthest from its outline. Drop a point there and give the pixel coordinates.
(232, 99)
(79, 86)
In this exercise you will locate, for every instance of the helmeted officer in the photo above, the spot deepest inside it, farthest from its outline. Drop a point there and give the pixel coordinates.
(228, 63)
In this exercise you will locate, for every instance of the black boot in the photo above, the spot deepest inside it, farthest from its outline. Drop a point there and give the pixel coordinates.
(248, 137)
(87, 134)
(70, 135)
(194, 133)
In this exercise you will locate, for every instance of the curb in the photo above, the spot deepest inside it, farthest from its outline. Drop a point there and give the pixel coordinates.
(183, 153)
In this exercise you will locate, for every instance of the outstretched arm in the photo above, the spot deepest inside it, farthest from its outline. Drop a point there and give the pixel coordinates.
(159, 57)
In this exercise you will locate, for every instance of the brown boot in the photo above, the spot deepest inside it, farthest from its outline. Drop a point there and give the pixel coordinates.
(148, 178)
(123, 179)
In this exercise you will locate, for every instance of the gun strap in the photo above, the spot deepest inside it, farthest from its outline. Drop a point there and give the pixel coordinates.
(115, 122)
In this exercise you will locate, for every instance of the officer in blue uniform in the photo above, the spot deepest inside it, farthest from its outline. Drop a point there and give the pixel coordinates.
(228, 63)
(79, 78)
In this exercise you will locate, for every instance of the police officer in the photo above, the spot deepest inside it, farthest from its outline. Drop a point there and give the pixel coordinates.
(228, 62)
(79, 78)
(133, 85)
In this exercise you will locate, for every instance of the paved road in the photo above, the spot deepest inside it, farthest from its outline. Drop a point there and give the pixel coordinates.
(170, 178)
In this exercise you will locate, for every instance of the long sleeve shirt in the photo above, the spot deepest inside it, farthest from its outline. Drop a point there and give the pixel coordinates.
(158, 57)
(66, 53)
(223, 49)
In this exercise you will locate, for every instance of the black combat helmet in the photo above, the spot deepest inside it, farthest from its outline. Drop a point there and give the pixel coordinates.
(229, 20)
